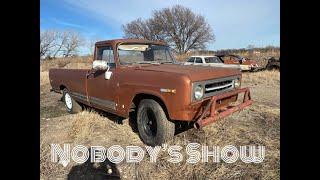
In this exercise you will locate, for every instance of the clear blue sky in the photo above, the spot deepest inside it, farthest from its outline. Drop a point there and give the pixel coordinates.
(235, 23)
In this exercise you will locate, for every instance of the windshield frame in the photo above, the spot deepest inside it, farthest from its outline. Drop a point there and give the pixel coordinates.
(167, 48)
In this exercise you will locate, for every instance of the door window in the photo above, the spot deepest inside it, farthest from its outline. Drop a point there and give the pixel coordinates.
(198, 60)
(191, 60)
(212, 60)
(105, 53)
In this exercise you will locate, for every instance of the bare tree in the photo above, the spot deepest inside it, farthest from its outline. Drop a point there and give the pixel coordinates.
(61, 39)
(178, 26)
(141, 29)
(71, 44)
(55, 43)
(47, 42)
(90, 44)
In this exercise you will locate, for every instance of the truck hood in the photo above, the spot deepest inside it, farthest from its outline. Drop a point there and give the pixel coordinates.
(195, 73)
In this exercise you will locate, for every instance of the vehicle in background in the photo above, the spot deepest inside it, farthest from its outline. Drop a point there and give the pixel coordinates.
(273, 63)
(245, 64)
(209, 61)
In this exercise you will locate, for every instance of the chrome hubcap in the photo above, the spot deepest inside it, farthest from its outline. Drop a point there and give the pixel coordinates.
(68, 101)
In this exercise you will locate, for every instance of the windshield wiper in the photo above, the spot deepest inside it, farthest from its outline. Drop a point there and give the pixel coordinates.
(166, 62)
(147, 62)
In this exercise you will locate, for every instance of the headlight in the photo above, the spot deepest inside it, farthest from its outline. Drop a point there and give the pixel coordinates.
(237, 83)
(198, 92)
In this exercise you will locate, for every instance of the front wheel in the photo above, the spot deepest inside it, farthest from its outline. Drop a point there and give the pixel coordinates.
(153, 126)
(71, 105)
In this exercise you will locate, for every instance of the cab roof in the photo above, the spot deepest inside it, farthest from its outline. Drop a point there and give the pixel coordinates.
(117, 41)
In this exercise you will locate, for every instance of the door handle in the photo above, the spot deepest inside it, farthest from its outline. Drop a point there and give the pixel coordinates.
(90, 73)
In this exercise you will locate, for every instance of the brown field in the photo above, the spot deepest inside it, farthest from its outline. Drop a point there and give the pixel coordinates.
(256, 125)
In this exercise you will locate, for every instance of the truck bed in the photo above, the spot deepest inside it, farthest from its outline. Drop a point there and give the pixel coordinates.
(72, 79)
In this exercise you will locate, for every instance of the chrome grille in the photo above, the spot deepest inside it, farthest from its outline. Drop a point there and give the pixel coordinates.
(214, 86)
(218, 86)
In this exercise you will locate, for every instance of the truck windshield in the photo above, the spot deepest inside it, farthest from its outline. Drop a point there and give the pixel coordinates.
(144, 54)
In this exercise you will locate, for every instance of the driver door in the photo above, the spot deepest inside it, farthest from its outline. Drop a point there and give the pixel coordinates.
(101, 91)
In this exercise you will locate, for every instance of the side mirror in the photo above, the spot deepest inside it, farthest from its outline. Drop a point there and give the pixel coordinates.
(108, 74)
(100, 65)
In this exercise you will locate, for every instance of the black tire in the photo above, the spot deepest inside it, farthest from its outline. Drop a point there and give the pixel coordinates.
(75, 106)
(153, 125)
(272, 68)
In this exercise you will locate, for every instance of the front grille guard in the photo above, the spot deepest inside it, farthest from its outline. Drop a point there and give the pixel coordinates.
(211, 114)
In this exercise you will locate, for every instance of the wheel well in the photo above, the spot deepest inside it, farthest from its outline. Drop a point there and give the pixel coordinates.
(62, 87)
(136, 100)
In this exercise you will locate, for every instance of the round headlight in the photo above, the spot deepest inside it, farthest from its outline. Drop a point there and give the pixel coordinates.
(237, 83)
(198, 92)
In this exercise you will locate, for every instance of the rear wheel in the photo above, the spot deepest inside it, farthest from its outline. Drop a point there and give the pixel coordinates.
(153, 126)
(71, 105)
(272, 68)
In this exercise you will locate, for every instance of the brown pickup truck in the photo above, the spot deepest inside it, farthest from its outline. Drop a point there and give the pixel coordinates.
(134, 75)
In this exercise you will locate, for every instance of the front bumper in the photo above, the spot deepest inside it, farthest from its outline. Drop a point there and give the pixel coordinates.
(211, 113)
(250, 67)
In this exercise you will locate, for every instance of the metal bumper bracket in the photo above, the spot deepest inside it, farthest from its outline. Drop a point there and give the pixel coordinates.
(211, 114)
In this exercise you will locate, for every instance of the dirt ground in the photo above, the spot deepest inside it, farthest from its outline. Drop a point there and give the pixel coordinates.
(257, 125)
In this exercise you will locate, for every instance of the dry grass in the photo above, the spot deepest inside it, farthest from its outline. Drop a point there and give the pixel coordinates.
(85, 128)
(84, 124)
(265, 77)
(257, 125)
(77, 62)
(91, 124)
(46, 166)
(44, 78)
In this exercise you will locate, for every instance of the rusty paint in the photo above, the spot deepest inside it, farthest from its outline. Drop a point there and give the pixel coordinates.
(211, 113)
